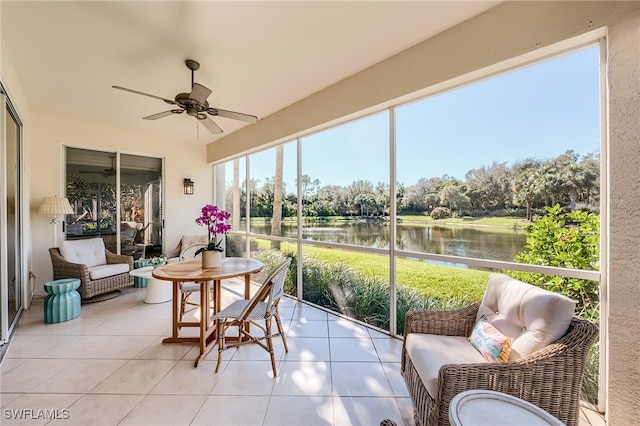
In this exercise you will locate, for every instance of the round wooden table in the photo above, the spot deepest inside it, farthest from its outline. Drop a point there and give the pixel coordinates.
(192, 271)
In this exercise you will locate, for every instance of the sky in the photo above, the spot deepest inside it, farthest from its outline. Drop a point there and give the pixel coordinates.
(539, 112)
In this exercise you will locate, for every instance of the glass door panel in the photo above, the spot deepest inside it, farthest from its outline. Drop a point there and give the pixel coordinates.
(140, 213)
(117, 197)
(13, 279)
(91, 190)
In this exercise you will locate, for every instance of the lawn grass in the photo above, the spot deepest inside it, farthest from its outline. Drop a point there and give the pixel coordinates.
(429, 280)
(501, 222)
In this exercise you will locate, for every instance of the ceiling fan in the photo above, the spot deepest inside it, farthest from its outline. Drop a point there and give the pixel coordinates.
(195, 104)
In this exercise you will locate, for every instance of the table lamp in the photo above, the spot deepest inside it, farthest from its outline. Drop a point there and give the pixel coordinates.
(55, 206)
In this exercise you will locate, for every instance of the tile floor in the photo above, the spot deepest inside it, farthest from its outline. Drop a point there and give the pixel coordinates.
(109, 367)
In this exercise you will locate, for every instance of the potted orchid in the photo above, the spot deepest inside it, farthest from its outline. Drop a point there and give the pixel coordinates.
(215, 221)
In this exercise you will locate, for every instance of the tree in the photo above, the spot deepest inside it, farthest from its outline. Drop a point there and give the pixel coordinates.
(235, 210)
(276, 218)
(489, 188)
(590, 164)
(452, 195)
(527, 184)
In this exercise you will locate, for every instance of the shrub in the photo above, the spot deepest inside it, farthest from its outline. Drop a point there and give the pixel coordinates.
(440, 213)
(567, 240)
(234, 245)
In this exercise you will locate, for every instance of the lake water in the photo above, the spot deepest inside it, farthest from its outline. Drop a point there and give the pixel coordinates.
(479, 242)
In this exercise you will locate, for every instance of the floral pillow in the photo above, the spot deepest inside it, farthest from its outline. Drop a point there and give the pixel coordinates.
(493, 345)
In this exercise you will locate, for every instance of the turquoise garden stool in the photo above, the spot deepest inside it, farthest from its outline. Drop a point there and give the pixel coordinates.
(63, 301)
(139, 281)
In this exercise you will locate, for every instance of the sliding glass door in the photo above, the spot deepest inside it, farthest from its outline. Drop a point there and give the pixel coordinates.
(11, 229)
(116, 197)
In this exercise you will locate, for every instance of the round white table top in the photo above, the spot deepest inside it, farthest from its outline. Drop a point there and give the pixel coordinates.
(144, 272)
(485, 407)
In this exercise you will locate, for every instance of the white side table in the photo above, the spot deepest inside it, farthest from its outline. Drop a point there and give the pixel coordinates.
(158, 291)
(486, 407)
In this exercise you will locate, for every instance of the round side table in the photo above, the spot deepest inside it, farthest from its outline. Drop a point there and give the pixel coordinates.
(486, 407)
(157, 291)
(63, 301)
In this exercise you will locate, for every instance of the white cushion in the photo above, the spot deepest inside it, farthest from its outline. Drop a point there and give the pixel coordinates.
(189, 240)
(102, 271)
(532, 316)
(429, 352)
(89, 252)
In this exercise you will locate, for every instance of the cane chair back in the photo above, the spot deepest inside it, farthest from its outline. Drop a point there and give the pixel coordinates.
(262, 306)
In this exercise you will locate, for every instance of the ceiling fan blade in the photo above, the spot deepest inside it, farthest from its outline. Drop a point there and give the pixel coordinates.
(145, 94)
(161, 114)
(232, 114)
(199, 93)
(210, 125)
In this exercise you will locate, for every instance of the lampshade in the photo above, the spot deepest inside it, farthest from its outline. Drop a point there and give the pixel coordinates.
(55, 205)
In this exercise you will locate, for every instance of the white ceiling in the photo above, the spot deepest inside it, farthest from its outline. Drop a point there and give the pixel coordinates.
(257, 57)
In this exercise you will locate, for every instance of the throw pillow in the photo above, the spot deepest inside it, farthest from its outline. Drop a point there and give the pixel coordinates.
(493, 345)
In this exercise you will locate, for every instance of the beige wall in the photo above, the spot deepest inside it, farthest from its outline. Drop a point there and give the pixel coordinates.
(44, 140)
(624, 222)
(51, 134)
(501, 34)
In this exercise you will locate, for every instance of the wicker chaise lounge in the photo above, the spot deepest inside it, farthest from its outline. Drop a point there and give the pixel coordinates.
(549, 377)
(101, 274)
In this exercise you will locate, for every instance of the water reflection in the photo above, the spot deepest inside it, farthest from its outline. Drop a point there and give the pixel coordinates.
(485, 242)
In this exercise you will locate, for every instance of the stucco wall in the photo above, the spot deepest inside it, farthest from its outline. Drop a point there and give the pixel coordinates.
(500, 34)
(623, 392)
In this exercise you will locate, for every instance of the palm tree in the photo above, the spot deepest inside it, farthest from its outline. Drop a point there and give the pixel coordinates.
(276, 219)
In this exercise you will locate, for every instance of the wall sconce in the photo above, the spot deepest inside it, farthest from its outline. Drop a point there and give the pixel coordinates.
(188, 186)
(55, 206)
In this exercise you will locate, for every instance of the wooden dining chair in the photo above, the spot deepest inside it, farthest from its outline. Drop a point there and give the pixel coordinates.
(263, 306)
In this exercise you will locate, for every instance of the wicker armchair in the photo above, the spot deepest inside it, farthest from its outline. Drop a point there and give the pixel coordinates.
(549, 378)
(186, 241)
(92, 290)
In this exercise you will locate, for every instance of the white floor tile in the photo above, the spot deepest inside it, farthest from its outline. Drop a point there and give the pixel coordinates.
(161, 410)
(398, 386)
(135, 377)
(344, 328)
(306, 312)
(307, 349)
(245, 378)
(100, 410)
(25, 376)
(185, 379)
(299, 410)
(346, 349)
(37, 408)
(80, 377)
(359, 379)
(308, 328)
(389, 349)
(303, 378)
(232, 411)
(110, 367)
(356, 411)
